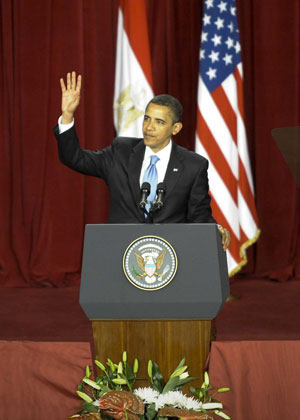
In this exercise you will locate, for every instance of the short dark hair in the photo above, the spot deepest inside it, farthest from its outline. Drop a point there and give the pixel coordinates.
(172, 103)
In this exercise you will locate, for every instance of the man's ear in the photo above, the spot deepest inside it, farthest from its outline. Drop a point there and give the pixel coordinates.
(176, 128)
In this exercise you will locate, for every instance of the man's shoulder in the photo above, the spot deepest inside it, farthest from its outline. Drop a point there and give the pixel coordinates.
(126, 142)
(190, 155)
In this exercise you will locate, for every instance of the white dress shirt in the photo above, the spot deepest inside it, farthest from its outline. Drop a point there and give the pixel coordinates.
(162, 164)
(64, 127)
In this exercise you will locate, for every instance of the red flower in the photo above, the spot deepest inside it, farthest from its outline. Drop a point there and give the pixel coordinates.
(116, 403)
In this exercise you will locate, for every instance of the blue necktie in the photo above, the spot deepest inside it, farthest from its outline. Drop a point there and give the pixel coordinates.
(151, 177)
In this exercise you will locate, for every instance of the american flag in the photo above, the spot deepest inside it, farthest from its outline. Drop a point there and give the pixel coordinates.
(221, 135)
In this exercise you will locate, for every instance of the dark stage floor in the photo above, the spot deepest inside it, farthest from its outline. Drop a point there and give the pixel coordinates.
(265, 311)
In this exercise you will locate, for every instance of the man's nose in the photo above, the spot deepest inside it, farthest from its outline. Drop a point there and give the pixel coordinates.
(150, 125)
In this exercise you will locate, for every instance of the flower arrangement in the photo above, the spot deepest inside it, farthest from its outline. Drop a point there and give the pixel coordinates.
(112, 394)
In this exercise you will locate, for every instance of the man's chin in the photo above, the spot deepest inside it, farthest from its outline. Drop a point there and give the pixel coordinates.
(148, 141)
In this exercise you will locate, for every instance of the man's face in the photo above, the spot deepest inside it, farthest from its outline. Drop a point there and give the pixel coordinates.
(158, 127)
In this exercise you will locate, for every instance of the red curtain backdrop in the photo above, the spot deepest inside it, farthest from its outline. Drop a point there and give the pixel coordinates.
(44, 205)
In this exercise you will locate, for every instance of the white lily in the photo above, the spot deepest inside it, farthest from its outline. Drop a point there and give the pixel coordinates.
(135, 365)
(120, 368)
(206, 379)
(119, 381)
(91, 383)
(212, 406)
(84, 396)
(178, 371)
(100, 365)
(221, 414)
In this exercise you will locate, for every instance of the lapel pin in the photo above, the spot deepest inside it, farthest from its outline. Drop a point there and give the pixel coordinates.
(175, 169)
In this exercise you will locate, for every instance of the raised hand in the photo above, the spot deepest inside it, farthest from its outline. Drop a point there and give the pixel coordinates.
(70, 96)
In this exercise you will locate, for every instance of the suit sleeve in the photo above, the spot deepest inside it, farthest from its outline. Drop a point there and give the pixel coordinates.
(95, 163)
(199, 209)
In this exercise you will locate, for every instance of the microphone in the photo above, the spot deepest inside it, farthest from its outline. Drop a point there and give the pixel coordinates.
(160, 195)
(145, 191)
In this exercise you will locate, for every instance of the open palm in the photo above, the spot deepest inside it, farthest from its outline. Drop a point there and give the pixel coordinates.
(70, 95)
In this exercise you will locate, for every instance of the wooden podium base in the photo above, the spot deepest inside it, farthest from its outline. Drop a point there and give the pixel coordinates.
(164, 341)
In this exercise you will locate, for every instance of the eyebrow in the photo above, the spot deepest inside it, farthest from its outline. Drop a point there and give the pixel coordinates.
(156, 119)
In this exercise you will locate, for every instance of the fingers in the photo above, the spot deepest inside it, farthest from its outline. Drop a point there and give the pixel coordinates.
(78, 87)
(71, 83)
(62, 85)
(226, 238)
(68, 81)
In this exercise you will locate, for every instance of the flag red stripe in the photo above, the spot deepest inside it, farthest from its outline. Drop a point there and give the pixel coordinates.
(220, 98)
(135, 24)
(216, 155)
(229, 117)
(244, 237)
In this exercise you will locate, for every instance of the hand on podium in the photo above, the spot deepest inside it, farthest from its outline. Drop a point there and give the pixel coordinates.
(226, 238)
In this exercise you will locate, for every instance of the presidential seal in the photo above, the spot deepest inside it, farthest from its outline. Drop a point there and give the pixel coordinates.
(150, 263)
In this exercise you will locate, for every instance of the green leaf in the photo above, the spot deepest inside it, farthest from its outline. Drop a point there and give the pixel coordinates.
(150, 411)
(157, 378)
(171, 385)
(89, 408)
(198, 392)
(223, 389)
(80, 386)
(186, 380)
(104, 389)
(128, 373)
(124, 356)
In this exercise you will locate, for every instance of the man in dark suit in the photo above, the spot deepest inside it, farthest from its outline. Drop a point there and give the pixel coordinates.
(124, 164)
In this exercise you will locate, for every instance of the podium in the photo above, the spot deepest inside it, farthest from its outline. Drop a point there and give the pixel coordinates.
(154, 291)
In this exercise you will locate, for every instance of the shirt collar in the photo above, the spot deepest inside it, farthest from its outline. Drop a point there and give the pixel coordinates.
(162, 154)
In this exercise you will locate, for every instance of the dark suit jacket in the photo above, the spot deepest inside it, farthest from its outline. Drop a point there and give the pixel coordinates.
(186, 200)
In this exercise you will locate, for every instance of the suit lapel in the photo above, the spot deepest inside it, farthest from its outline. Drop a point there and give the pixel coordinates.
(134, 169)
(174, 169)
